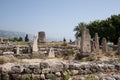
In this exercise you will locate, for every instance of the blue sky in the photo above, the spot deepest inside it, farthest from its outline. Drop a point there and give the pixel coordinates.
(56, 17)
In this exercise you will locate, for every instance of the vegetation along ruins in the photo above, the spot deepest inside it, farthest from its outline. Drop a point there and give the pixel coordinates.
(94, 55)
(59, 40)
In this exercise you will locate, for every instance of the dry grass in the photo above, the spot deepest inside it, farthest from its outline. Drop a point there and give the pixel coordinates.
(5, 59)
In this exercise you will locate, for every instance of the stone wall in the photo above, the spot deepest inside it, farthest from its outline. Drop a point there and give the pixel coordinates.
(41, 37)
(57, 70)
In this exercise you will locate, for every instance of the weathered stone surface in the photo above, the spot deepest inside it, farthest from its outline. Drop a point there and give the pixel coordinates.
(42, 76)
(15, 77)
(59, 70)
(104, 45)
(96, 42)
(1, 40)
(16, 69)
(35, 77)
(78, 42)
(27, 71)
(74, 72)
(46, 70)
(56, 67)
(51, 53)
(44, 65)
(58, 74)
(85, 41)
(26, 76)
(35, 45)
(4, 76)
(119, 46)
(18, 50)
(41, 37)
(107, 78)
(49, 76)
(29, 48)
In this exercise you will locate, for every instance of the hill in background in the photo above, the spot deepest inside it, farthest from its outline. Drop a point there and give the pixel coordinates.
(12, 34)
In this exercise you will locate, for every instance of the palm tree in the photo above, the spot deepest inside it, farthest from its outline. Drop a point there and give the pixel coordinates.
(78, 29)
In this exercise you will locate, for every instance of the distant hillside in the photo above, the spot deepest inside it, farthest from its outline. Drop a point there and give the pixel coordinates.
(12, 34)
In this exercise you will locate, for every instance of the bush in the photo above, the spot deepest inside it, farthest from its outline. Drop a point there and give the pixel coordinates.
(67, 76)
(90, 78)
(71, 52)
(2, 61)
(54, 77)
(5, 59)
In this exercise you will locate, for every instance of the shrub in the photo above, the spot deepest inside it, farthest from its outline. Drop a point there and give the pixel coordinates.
(2, 61)
(71, 52)
(67, 76)
(5, 59)
(54, 77)
(90, 78)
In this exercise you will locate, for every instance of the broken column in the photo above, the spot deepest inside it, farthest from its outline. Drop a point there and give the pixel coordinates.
(1, 40)
(77, 42)
(104, 45)
(93, 46)
(35, 45)
(85, 41)
(51, 53)
(18, 50)
(41, 37)
(29, 48)
(96, 42)
(119, 46)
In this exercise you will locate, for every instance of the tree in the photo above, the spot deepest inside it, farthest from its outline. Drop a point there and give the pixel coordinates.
(70, 41)
(64, 40)
(15, 39)
(26, 38)
(78, 29)
(108, 28)
(20, 39)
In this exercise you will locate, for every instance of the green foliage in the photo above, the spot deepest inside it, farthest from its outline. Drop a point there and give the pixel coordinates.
(78, 29)
(54, 77)
(109, 28)
(26, 38)
(70, 41)
(64, 40)
(2, 61)
(90, 78)
(67, 76)
(31, 56)
(15, 39)
(71, 52)
(20, 39)
(30, 78)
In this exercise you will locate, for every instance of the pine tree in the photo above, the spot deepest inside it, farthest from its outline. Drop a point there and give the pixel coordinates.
(26, 38)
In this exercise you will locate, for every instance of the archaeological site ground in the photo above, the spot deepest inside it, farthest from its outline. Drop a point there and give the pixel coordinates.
(83, 59)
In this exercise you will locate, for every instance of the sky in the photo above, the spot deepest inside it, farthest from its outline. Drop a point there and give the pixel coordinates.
(57, 18)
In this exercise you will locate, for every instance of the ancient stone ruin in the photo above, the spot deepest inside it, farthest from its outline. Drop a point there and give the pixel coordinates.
(48, 70)
(104, 45)
(96, 42)
(41, 37)
(29, 48)
(119, 46)
(18, 50)
(51, 53)
(1, 40)
(35, 45)
(85, 41)
(77, 42)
